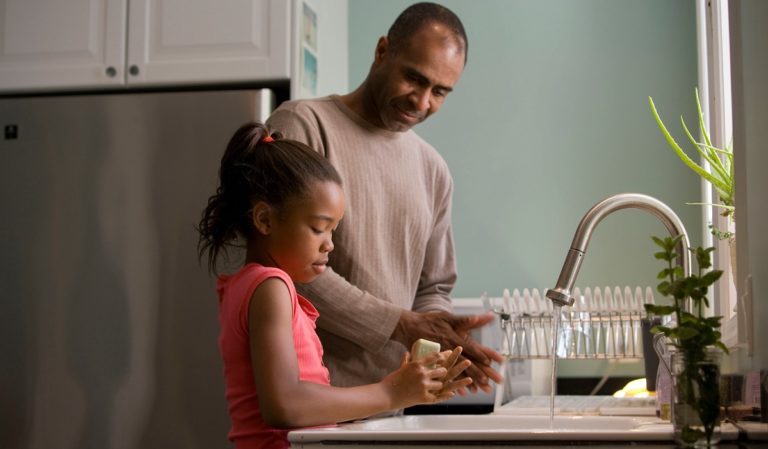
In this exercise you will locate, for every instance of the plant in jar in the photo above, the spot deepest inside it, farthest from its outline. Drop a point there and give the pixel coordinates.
(720, 161)
(697, 342)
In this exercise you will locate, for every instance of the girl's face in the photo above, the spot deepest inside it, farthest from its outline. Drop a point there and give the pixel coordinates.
(300, 238)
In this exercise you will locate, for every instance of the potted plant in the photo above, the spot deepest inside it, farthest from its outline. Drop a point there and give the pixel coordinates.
(697, 342)
(720, 174)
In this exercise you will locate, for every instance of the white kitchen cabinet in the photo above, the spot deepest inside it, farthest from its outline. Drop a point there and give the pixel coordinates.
(59, 45)
(184, 41)
(62, 43)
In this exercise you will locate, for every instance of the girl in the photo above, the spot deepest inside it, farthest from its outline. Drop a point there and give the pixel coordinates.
(283, 200)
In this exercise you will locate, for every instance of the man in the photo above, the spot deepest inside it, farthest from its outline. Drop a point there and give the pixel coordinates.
(393, 267)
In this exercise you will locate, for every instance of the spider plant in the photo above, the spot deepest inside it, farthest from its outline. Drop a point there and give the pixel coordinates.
(720, 160)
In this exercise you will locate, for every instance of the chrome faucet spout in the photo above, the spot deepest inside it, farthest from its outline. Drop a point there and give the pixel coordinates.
(561, 294)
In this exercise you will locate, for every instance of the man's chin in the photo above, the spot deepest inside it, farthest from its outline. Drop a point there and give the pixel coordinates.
(401, 122)
(400, 127)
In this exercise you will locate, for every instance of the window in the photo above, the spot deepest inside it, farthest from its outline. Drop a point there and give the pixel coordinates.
(715, 95)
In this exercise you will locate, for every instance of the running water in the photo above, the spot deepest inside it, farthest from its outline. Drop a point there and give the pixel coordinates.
(553, 391)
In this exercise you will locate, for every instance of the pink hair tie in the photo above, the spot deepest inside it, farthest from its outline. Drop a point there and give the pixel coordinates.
(267, 139)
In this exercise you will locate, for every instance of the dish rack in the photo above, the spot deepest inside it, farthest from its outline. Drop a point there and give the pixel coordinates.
(602, 324)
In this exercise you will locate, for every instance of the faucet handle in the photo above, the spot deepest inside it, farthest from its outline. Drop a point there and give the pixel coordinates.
(560, 297)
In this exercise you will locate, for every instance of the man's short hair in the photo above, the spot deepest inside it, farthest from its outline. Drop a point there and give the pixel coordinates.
(418, 15)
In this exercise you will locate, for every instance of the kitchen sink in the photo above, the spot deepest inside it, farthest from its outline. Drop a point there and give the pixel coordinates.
(435, 428)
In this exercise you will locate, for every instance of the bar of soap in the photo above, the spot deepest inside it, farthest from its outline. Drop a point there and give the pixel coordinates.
(422, 348)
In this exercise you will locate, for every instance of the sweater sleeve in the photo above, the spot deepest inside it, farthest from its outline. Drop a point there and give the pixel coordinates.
(351, 313)
(345, 310)
(438, 275)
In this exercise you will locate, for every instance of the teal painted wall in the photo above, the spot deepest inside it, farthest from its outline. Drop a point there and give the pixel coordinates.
(551, 116)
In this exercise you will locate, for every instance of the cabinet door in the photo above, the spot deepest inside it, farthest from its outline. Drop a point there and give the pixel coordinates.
(199, 41)
(63, 44)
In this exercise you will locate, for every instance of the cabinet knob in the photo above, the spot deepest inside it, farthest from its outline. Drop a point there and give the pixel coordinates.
(111, 72)
(133, 70)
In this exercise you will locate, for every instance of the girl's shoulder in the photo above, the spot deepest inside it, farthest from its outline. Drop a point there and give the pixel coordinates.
(251, 276)
(236, 290)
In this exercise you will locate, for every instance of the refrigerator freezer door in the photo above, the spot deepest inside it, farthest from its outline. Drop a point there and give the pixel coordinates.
(108, 323)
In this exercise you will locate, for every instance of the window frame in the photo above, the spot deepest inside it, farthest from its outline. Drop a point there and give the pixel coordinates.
(713, 37)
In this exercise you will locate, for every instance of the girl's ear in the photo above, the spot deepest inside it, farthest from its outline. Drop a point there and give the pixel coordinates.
(261, 217)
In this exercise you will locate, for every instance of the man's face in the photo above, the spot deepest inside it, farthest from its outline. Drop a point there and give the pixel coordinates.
(410, 84)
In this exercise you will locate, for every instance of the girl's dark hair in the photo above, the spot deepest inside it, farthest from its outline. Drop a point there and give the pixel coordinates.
(256, 169)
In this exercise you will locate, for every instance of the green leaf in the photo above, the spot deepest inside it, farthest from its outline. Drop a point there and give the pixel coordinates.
(710, 156)
(713, 321)
(717, 183)
(693, 332)
(711, 277)
(687, 317)
(686, 333)
(703, 257)
(659, 309)
(673, 241)
(701, 118)
(704, 150)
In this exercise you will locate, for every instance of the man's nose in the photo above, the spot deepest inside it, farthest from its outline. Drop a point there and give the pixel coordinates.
(421, 99)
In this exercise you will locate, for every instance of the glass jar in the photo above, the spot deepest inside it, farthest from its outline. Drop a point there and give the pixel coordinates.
(696, 397)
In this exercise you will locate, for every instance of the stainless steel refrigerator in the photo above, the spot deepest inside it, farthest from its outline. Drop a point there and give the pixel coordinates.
(108, 323)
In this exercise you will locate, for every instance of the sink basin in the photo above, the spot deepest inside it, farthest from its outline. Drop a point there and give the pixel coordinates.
(423, 428)
(463, 423)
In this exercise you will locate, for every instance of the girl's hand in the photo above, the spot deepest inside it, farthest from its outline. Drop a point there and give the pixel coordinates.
(416, 381)
(428, 380)
(451, 386)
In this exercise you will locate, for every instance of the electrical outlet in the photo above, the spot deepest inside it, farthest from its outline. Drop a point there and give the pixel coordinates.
(11, 132)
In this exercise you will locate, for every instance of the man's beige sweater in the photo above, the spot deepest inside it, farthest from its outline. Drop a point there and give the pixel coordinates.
(394, 246)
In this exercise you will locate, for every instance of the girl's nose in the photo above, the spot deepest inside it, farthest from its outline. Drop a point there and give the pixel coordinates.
(327, 245)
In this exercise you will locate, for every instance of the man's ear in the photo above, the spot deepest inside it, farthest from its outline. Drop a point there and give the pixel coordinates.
(261, 217)
(382, 47)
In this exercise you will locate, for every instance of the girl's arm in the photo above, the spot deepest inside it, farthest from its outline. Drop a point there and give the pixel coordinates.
(286, 401)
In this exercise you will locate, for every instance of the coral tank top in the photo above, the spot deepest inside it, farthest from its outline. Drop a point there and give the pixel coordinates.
(248, 427)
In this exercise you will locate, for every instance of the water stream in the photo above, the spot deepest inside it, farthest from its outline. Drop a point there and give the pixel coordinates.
(553, 390)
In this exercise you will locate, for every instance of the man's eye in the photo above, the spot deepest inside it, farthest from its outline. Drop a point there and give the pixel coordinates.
(416, 79)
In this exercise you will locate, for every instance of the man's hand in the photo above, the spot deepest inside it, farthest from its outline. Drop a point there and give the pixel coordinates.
(450, 331)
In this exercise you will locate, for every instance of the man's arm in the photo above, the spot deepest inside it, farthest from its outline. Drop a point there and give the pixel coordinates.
(438, 271)
(431, 317)
(351, 313)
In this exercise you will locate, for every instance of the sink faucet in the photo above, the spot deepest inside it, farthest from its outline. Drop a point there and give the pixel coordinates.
(561, 294)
